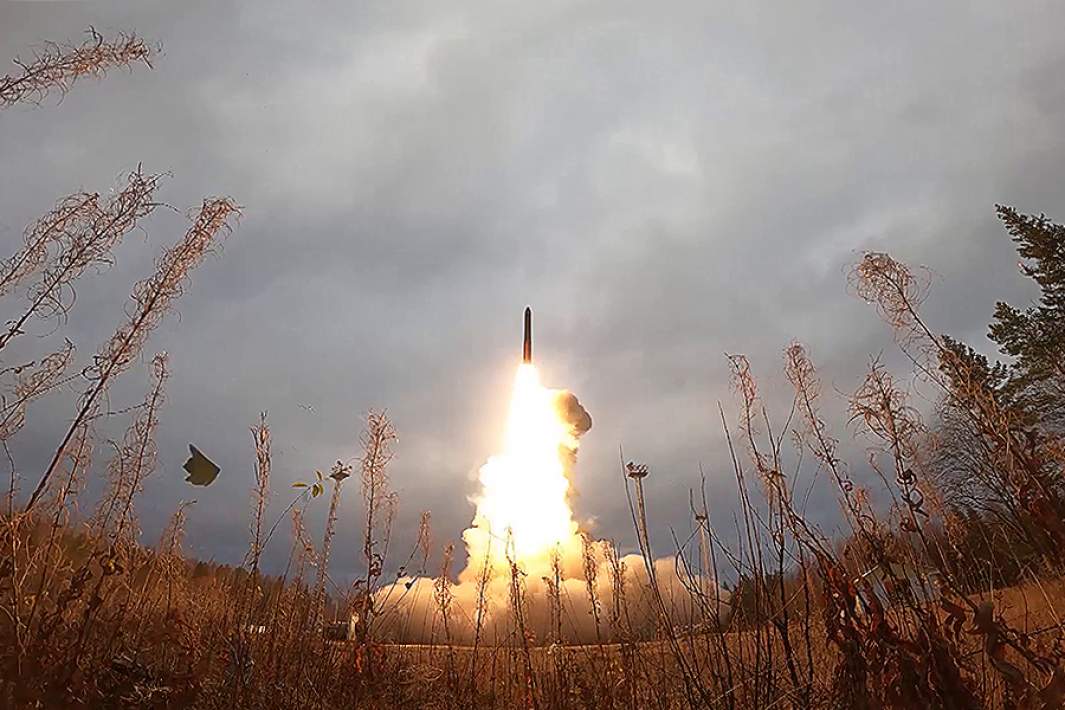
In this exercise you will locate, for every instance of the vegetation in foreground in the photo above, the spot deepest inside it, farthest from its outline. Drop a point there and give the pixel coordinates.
(963, 610)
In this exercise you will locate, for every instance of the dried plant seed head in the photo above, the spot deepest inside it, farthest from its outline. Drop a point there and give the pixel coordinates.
(153, 296)
(56, 67)
(425, 533)
(800, 371)
(636, 470)
(77, 236)
(29, 384)
(894, 289)
(340, 471)
(260, 492)
(881, 405)
(42, 236)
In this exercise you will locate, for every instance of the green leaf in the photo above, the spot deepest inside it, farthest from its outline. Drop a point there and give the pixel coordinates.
(202, 470)
(299, 484)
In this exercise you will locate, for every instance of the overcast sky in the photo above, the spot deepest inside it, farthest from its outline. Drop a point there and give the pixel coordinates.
(662, 182)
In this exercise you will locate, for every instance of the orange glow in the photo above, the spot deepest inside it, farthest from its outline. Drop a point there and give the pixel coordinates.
(524, 489)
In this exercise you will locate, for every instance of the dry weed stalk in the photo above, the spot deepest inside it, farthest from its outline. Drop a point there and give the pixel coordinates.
(378, 439)
(898, 295)
(133, 462)
(338, 474)
(67, 215)
(170, 553)
(815, 435)
(590, 567)
(151, 300)
(481, 606)
(784, 522)
(114, 551)
(444, 598)
(46, 560)
(56, 67)
(516, 592)
(694, 689)
(261, 438)
(442, 590)
(30, 382)
(883, 409)
(76, 236)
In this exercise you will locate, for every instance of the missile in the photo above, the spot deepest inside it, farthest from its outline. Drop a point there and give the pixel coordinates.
(526, 345)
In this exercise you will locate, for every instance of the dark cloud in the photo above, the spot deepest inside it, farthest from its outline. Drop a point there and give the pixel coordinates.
(664, 184)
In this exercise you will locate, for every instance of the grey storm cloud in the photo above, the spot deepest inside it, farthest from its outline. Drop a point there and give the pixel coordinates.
(663, 182)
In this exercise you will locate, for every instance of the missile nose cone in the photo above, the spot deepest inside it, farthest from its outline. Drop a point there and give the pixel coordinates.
(526, 347)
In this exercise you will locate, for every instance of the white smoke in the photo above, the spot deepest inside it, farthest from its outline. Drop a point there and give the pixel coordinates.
(577, 591)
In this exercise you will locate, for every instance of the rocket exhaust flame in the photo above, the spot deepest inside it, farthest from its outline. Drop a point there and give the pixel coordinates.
(523, 508)
(524, 518)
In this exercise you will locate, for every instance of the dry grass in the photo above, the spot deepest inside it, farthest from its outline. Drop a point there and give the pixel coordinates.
(91, 616)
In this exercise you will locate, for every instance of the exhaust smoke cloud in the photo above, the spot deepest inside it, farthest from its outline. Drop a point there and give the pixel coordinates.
(531, 572)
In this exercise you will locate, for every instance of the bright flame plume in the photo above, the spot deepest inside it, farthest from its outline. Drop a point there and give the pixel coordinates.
(523, 510)
(524, 536)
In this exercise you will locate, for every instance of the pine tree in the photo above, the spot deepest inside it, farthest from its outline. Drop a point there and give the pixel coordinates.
(993, 377)
(1035, 336)
(998, 438)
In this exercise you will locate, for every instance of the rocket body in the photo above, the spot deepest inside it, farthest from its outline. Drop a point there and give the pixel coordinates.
(526, 346)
